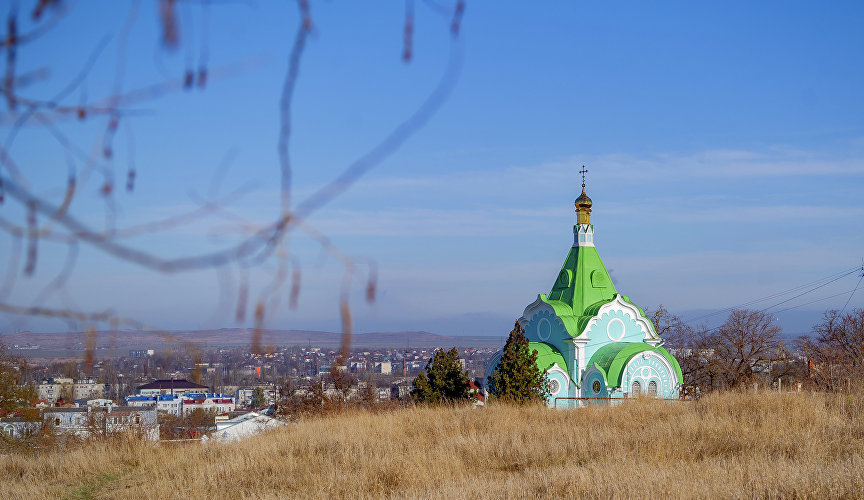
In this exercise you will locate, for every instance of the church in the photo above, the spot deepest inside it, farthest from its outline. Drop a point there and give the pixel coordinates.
(591, 341)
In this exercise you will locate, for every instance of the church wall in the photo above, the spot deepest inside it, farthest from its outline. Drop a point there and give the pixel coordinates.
(543, 325)
(616, 325)
(594, 384)
(557, 375)
(648, 367)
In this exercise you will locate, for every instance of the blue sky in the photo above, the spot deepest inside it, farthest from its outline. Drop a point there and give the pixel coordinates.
(724, 143)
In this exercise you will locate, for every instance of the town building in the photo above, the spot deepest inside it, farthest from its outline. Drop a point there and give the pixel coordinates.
(52, 390)
(384, 367)
(168, 403)
(475, 392)
(246, 394)
(87, 389)
(401, 389)
(19, 428)
(218, 403)
(183, 404)
(170, 386)
(243, 426)
(90, 421)
(592, 341)
(101, 402)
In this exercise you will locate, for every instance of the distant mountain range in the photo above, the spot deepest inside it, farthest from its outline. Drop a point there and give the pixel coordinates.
(115, 343)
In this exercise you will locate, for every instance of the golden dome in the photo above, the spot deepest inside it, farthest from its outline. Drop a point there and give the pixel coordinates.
(583, 203)
(583, 200)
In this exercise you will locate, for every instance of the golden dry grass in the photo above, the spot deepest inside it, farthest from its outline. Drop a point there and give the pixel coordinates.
(727, 445)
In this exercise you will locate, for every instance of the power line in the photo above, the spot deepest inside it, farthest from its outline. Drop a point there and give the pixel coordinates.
(853, 293)
(806, 292)
(812, 301)
(716, 328)
(819, 284)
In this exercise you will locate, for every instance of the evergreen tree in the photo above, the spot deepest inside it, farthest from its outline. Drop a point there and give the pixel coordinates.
(516, 377)
(259, 397)
(443, 380)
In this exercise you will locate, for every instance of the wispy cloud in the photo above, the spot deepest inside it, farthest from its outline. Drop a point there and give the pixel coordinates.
(423, 222)
(776, 161)
(667, 188)
(660, 167)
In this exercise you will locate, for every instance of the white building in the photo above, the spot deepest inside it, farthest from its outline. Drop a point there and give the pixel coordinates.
(100, 402)
(170, 386)
(19, 429)
(167, 403)
(87, 389)
(88, 421)
(48, 391)
(53, 389)
(245, 395)
(218, 403)
(244, 426)
(384, 367)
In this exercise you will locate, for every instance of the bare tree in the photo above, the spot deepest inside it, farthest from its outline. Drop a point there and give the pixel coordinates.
(686, 344)
(747, 344)
(676, 334)
(838, 349)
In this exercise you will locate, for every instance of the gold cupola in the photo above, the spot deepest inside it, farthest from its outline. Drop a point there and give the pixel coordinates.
(583, 203)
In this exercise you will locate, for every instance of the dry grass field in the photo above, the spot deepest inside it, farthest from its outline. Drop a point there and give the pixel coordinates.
(724, 446)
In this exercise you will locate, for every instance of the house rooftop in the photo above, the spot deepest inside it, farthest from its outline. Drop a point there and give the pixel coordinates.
(111, 409)
(171, 384)
(154, 397)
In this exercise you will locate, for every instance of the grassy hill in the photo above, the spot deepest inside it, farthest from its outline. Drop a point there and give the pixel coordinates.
(726, 445)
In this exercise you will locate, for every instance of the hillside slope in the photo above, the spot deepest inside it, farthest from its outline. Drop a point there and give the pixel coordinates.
(727, 445)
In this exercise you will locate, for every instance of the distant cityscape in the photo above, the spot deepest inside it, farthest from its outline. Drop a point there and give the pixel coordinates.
(232, 386)
(231, 370)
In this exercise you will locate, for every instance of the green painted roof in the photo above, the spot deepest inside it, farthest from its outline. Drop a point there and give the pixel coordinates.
(614, 357)
(583, 281)
(582, 288)
(601, 370)
(641, 311)
(576, 323)
(547, 355)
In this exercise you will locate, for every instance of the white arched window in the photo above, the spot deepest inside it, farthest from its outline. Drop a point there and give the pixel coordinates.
(635, 389)
(652, 389)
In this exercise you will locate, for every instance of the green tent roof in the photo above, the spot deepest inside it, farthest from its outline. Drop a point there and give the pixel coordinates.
(583, 281)
(582, 288)
(614, 357)
(547, 355)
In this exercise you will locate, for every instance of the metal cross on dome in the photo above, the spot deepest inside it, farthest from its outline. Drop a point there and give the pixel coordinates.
(583, 172)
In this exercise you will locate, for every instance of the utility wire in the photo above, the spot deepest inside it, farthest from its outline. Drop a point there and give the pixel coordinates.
(820, 283)
(853, 292)
(806, 292)
(835, 278)
(812, 302)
